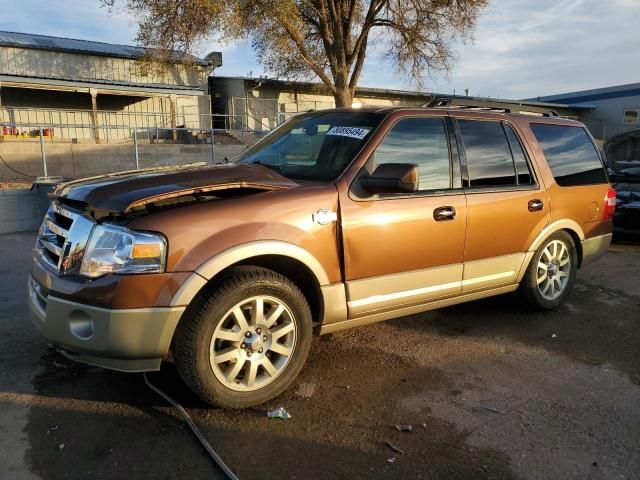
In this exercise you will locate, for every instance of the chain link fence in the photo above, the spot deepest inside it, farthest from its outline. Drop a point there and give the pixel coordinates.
(30, 150)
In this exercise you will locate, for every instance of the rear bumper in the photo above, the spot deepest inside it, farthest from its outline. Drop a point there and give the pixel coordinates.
(595, 247)
(130, 340)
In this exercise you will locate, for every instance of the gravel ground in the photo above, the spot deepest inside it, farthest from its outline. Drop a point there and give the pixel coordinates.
(491, 392)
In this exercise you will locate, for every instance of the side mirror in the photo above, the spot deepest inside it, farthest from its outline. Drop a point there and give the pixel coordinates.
(392, 178)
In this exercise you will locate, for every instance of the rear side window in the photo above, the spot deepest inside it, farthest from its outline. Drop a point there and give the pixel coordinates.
(571, 155)
(489, 161)
(494, 155)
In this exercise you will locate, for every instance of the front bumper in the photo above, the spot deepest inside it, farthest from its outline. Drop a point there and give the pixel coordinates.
(130, 340)
(627, 221)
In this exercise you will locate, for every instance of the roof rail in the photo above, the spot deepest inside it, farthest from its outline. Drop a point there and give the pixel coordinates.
(490, 105)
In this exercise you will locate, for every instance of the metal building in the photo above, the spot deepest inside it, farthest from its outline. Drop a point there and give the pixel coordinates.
(607, 111)
(262, 103)
(80, 86)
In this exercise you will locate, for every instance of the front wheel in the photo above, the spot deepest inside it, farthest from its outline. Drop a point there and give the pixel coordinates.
(551, 273)
(247, 341)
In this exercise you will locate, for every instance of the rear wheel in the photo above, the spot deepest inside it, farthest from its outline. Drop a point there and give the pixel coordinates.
(247, 341)
(551, 273)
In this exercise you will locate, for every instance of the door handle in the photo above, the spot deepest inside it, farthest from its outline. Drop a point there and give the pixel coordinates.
(535, 205)
(442, 214)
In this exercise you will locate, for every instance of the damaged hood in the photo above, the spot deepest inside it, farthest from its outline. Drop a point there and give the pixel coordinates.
(123, 191)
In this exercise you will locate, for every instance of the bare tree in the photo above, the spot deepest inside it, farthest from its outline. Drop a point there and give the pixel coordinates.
(327, 39)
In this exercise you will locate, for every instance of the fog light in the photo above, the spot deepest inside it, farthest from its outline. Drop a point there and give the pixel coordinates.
(80, 325)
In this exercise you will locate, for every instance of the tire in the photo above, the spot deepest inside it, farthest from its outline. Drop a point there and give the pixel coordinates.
(233, 363)
(549, 278)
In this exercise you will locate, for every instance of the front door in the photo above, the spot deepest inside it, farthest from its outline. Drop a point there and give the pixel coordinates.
(406, 249)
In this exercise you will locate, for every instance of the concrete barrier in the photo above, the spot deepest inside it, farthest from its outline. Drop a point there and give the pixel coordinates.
(19, 211)
(19, 208)
(82, 160)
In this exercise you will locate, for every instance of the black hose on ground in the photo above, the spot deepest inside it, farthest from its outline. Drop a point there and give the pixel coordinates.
(183, 413)
(14, 170)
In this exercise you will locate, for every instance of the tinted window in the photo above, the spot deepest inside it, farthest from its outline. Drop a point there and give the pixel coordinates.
(423, 142)
(520, 160)
(488, 155)
(571, 155)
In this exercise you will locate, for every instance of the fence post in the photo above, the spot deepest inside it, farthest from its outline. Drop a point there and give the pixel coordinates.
(213, 147)
(43, 153)
(135, 147)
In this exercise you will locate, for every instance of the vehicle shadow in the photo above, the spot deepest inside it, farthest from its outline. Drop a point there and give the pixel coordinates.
(113, 426)
(596, 325)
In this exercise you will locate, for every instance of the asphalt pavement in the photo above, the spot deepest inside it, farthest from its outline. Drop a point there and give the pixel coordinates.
(490, 390)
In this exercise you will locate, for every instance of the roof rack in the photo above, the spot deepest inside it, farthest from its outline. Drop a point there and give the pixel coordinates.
(490, 105)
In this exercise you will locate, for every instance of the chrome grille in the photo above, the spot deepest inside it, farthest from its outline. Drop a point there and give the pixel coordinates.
(62, 239)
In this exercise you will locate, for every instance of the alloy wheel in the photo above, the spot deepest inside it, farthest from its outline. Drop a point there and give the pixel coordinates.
(554, 269)
(253, 343)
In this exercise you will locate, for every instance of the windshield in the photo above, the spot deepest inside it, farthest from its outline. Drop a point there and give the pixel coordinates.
(315, 146)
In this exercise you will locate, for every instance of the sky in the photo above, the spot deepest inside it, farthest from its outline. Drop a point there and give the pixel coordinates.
(521, 48)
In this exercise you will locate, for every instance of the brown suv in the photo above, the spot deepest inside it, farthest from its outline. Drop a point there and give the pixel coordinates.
(336, 219)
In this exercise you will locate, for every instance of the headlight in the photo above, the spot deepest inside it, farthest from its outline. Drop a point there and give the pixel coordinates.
(114, 249)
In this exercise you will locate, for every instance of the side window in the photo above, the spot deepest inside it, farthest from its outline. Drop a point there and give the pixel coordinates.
(423, 142)
(489, 160)
(571, 154)
(519, 158)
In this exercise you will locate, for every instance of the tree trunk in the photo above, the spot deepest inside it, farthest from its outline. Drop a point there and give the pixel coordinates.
(343, 97)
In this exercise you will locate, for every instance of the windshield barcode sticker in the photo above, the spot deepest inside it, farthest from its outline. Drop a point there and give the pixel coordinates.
(352, 132)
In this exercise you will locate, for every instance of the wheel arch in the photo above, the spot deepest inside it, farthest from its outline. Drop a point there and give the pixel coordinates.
(287, 259)
(566, 225)
(571, 226)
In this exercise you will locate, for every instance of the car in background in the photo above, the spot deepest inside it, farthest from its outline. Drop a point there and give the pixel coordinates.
(623, 160)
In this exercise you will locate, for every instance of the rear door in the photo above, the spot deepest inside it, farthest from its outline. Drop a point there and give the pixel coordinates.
(506, 203)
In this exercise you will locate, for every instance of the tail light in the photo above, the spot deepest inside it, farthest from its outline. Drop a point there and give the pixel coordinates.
(609, 204)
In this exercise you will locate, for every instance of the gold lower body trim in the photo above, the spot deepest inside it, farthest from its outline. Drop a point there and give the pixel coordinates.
(413, 309)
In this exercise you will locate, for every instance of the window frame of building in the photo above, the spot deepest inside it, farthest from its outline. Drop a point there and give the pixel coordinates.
(470, 189)
(635, 111)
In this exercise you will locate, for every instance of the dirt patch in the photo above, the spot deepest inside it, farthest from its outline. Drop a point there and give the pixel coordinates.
(502, 394)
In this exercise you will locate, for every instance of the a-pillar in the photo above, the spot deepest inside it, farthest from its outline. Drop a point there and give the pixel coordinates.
(94, 113)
